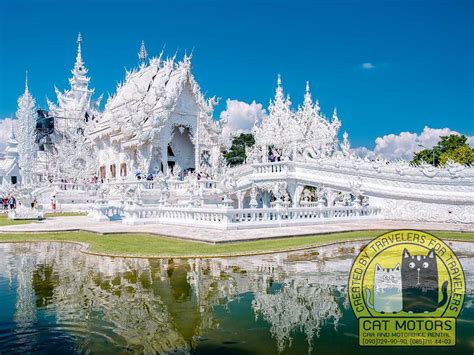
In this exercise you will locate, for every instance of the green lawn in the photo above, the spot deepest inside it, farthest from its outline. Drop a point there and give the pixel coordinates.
(64, 214)
(148, 245)
(4, 221)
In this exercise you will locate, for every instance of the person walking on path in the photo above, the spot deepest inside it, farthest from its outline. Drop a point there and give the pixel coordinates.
(12, 202)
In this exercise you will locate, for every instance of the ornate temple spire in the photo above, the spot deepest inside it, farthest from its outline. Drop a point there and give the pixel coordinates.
(316, 106)
(142, 54)
(79, 79)
(335, 122)
(346, 144)
(308, 101)
(79, 65)
(26, 82)
(279, 90)
(26, 119)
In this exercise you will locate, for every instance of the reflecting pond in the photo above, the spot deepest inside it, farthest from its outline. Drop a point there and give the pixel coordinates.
(57, 299)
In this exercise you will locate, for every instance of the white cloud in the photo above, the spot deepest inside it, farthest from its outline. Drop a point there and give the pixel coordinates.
(405, 144)
(368, 66)
(363, 152)
(240, 117)
(5, 132)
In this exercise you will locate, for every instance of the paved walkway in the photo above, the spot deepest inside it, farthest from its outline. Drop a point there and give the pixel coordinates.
(219, 236)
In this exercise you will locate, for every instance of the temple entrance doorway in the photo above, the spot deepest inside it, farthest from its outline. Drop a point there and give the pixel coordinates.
(180, 150)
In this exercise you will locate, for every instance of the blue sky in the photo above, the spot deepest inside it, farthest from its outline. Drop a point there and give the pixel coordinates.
(421, 53)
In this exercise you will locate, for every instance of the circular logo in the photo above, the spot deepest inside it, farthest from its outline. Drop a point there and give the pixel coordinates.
(406, 287)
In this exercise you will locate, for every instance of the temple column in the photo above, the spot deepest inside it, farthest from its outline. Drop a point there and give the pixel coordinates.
(197, 155)
(295, 192)
(240, 199)
(164, 159)
(266, 199)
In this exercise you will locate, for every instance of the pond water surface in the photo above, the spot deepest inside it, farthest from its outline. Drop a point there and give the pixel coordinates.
(55, 299)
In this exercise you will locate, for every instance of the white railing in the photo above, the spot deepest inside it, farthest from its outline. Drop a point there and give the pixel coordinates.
(103, 211)
(177, 185)
(229, 218)
(72, 186)
(271, 168)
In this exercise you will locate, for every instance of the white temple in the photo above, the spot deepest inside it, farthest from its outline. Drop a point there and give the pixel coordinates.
(155, 155)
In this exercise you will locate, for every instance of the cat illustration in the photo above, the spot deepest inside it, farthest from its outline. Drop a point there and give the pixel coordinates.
(420, 283)
(387, 290)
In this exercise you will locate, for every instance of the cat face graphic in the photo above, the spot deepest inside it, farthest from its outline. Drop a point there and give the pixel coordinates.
(420, 283)
(387, 278)
(419, 270)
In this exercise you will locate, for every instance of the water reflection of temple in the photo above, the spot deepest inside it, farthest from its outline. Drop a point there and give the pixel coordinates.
(165, 305)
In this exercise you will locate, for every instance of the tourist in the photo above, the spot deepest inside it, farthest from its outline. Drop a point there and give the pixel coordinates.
(5, 202)
(12, 202)
(53, 203)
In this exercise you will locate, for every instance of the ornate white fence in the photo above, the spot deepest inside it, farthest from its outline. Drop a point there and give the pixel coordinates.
(229, 218)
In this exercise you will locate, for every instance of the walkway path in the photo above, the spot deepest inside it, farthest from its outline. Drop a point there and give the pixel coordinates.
(83, 223)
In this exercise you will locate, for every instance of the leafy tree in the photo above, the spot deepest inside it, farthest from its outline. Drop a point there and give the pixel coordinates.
(461, 155)
(452, 147)
(451, 143)
(236, 154)
(430, 156)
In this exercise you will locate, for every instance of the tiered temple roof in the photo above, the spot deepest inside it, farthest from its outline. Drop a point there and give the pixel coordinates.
(145, 100)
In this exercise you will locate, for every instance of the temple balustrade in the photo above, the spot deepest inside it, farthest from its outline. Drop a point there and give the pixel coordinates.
(229, 218)
(452, 184)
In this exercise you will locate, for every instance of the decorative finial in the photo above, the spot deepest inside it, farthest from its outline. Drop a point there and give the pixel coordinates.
(142, 54)
(334, 114)
(308, 101)
(26, 82)
(279, 90)
(346, 144)
(79, 62)
(79, 41)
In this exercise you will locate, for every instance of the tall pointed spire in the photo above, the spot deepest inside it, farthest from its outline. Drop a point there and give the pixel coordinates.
(279, 89)
(26, 119)
(79, 62)
(142, 54)
(316, 106)
(26, 82)
(79, 80)
(334, 115)
(308, 101)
